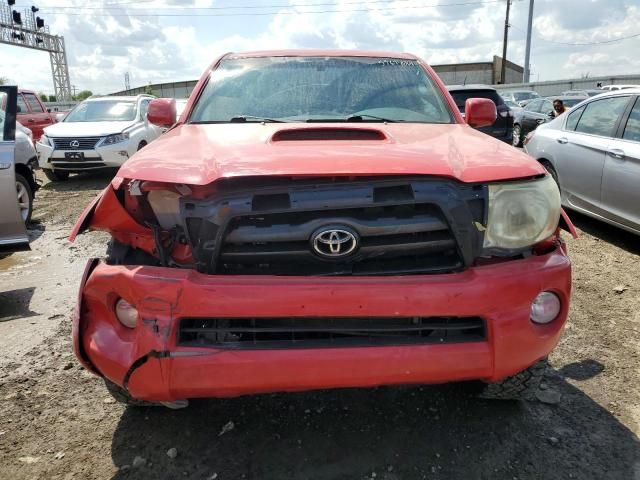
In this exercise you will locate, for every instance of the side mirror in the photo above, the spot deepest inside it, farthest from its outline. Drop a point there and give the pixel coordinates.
(480, 112)
(48, 110)
(162, 112)
(551, 114)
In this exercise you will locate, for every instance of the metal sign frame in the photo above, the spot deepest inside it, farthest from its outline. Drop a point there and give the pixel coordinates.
(28, 35)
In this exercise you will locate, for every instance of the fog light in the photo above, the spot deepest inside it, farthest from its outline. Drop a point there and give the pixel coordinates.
(545, 308)
(126, 313)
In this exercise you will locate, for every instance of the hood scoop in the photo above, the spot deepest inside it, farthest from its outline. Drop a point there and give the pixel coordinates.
(327, 133)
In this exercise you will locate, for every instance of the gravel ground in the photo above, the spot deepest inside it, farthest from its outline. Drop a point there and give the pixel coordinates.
(57, 421)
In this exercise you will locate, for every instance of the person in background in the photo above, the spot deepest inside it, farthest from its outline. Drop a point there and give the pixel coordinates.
(558, 108)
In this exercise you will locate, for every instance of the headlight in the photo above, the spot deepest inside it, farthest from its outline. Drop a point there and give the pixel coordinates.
(117, 138)
(46, 141)
(521, 214)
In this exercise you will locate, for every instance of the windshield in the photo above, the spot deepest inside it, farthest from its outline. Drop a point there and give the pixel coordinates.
(103, 111)
(519, 96)
(307, 89)
(571, 102)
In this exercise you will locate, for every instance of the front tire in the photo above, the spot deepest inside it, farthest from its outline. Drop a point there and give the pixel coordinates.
(552, 171)
(521, 386)
(25, 198)
(517, 136)
(55, 176)
(122, 396)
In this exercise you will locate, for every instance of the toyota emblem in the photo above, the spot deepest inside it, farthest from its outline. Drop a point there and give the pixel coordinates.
(74, 143)
(334, 242)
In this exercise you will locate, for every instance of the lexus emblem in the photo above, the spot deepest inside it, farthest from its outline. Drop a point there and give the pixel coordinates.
(74, 143)
(334, 242)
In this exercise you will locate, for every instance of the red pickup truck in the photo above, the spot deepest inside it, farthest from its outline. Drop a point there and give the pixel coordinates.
(33, 114)
(322, 219)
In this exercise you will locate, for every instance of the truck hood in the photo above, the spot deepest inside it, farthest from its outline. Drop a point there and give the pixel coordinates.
(201, 154)
(86, 129)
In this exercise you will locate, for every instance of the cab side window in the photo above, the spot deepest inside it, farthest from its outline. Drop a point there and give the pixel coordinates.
(144, 108)
(22, 106)
(33, 103)
(573, 118)
(632, 129)
(600, 117)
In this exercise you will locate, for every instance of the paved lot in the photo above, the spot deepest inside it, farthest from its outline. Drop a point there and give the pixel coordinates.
(57, 421)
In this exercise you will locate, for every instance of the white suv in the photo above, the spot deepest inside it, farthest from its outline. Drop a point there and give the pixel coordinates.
(101, 132)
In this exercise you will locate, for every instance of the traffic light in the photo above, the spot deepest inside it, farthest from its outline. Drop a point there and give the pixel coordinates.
(11, 2)
(39, 23)
(34, 9)
(17, 18)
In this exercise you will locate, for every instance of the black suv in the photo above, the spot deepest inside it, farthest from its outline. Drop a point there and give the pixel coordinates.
(502, 128)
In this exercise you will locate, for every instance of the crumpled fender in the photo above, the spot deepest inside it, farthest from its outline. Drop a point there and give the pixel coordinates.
(106, 213)
(566, 224)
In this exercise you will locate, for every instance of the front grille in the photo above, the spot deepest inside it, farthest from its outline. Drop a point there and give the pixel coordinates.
(397, 226)
(314, 332)
(78, 165)
(84, 143)
(392, 239)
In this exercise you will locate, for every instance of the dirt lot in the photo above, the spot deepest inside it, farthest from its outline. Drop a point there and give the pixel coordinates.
(57, 421)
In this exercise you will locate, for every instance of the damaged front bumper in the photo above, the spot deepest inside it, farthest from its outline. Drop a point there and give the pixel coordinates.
(152, 363)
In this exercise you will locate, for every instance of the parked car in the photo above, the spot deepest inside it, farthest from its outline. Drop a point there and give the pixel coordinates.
(619, 87)
(101, 132)
(13, 234)
(33, 114)
(521, 97)
(582, 93)
(536, 113)
(502, 128)
(513, 106)
(25, 164)
(322, 219)
(593, 152)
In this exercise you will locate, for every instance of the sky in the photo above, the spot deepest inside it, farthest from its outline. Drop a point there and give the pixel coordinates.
(173, 40)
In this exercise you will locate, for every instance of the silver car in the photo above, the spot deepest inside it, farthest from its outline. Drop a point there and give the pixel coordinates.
(593, 152)
(13, 235)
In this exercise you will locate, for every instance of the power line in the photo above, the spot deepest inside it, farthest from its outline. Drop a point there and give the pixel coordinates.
(238, 14)
(111, 6)
(584, 44)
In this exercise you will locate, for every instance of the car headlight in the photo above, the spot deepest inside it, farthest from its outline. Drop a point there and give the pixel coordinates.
(117, 138)
(46, 141)
(521, 214)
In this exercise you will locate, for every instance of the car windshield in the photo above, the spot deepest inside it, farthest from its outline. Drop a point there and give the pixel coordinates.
(461, 96)
(519, 96)
(512, 104)
(571, 102)
(103, 111)
(330, 89)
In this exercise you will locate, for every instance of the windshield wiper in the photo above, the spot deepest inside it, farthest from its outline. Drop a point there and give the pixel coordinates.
(360, 117)
(247, 118)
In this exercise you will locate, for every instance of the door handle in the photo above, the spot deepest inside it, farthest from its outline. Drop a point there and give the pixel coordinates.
(616, 153)
(540, 121)
(562, 140)
(31, 120)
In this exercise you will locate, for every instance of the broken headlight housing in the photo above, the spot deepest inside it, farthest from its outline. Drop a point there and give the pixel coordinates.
(521, 214)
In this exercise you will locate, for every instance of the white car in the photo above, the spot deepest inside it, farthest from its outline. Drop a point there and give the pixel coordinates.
(101, 132)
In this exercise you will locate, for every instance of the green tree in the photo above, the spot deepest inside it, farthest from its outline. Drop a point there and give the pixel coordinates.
(52, 98)
(149, 91)
(83, 95)
(3, 80)
(43, 97)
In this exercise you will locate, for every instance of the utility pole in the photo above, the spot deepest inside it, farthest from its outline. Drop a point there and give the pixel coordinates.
(527, 53)
(504, 45)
